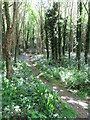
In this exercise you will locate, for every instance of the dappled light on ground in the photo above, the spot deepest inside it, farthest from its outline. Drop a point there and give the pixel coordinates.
(68, 95)
(54, 87)
(73, 91)
(71, 100)
(80, 103)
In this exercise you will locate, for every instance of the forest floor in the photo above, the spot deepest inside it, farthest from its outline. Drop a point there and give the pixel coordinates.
(79, 105)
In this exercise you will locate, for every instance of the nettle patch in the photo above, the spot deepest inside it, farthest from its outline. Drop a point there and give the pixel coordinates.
(25, 97)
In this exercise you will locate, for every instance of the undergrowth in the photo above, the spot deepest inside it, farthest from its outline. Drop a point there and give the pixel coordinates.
(67, 73)
(26, 97)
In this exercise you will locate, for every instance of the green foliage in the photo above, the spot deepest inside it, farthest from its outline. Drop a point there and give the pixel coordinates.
(56, 74)
(73, 79)
(51, 27)
(26, 97)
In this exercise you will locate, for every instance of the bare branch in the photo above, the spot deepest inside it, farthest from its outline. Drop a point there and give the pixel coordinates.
(85, 7)
(19, 5)
(10, 5)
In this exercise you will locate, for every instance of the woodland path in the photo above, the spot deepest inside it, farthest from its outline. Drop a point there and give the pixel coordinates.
(81, 106)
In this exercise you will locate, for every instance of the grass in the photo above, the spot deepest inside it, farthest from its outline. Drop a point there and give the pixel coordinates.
(25, 97)
(67, 73)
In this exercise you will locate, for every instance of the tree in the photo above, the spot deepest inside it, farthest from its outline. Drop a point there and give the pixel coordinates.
(46, 33)
(64, 33)
(41, 26)
(59, 32)
(24, 27)
(79, 32)
(70, 35)
(3, 35)
(9, 31)
(18, 30)
(28, 32)
(0, 59)
(33, 39)
(17, 41)
(0, 32)
(17, 37)
(87, 42)
(52, 29)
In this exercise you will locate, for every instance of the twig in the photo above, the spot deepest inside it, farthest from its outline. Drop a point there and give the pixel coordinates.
(85, 7)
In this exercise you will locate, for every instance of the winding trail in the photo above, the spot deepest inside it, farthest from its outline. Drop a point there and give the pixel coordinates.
(81, 106)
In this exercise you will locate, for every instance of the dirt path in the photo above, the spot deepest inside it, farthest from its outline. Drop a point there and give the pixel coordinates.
(81, 106)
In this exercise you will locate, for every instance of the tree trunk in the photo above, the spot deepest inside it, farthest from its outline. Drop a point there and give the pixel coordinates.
(70, 36)
(0, 60)
(56, 48)
(7, 37)
(41, 31)
(59, 32)
(52, 44)
(17, 43)
(33, 41)
(87, 36)
(47, 44)
(72, 39)
(79, 34)
(3, 37)
(23, 28)
(23, 39)
(0, 32)
(64, 34)
(26, 42)
(8, 56)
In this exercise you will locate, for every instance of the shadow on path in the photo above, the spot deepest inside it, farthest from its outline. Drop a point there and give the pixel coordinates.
(81, 106)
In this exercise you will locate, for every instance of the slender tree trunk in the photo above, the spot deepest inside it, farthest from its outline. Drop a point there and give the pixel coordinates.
(3, 37)
(23, 28)
(47, 44)
(56, 48)
(41, 28)
(47, 47)
(0, 60)
(27, 37)
(79, 34)
(73, 39)
(70, 36)
(38, 40)
(23, 39)
(87, 43)
(0, 31)
(52, 45)
(17, 42)
(64, 34)
(33, 41)
(59, 32)
(17, 32)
